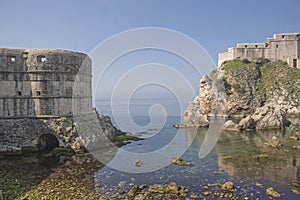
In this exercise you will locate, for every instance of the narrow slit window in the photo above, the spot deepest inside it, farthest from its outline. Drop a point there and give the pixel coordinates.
(277, 45)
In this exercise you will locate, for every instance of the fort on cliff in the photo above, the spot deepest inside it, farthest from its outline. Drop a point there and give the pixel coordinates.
(285, 47)
(38, 85)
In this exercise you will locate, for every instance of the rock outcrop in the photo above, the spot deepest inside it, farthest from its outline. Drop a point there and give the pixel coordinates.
(267, 117)
(266, 95)
(197, 112)
(36, 135)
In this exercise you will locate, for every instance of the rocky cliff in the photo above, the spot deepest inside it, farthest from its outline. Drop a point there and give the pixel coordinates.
(266, 94)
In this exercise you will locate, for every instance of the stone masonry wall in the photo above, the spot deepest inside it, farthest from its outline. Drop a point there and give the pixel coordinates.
(285, 47)
(39, 83)
(38, 86)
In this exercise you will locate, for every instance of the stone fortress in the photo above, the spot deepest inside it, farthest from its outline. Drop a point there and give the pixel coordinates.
(39, 83)
(285, 47)
(37, 86)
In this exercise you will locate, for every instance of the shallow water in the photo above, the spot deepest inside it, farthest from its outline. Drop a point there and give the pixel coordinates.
(242, 158)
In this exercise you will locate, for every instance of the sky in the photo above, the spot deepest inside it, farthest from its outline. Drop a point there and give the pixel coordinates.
(82, 25)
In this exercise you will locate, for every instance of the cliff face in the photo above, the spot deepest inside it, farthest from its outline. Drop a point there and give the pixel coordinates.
(246, 86)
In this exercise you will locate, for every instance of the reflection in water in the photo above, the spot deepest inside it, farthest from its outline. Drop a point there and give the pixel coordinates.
(251, 158)
(241, 157)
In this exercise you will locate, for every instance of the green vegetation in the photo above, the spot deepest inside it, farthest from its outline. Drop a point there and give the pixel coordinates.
(261, 81)
(279, 79)
(126, 137)
(236, 64)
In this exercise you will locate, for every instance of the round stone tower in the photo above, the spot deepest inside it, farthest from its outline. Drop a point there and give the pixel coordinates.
(37, 87)
(39, 83)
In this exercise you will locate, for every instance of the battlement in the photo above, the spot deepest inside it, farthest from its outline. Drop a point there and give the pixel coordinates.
(284, 46)
(40, 82)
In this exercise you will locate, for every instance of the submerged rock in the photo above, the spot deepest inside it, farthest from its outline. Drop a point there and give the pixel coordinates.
(274, 142)
(228, 186)
(272, 192)
(138, 163)
(180, 161)
(179, 125)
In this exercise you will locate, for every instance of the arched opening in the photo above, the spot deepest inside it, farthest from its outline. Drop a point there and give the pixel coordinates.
(47, 142)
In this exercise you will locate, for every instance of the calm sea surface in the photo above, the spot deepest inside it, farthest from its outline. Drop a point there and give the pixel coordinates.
(240, 157)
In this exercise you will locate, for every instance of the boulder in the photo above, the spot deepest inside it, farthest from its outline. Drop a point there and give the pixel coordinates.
(230, 126)
(271, 117)
(228, 186)
(247, 123)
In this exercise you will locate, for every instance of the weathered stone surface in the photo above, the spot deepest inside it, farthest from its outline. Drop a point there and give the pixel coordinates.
(293, 115)
(247, 123)
(16, 134)
(42, 92)
(270, 117)
(197, 112)
(230, 126)
(266, 94)
(194, 117)
(267, 117)
(43, 83)
(204, 98)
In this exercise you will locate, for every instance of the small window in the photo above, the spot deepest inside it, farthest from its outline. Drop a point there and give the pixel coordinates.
(266, 44)
(294, 62)
(41, 59)
(282, 36)
(256, 46)
(12, 58)
(19, 93)
(277, 45)
(246, 46)
(38, 93)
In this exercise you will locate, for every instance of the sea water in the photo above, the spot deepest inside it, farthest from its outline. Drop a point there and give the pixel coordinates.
(240, 157)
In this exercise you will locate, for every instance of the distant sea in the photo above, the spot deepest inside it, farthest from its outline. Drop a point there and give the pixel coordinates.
(140, 111)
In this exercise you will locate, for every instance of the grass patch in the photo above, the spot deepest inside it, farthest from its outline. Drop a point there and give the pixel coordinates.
(236, 64)
(127, 137)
